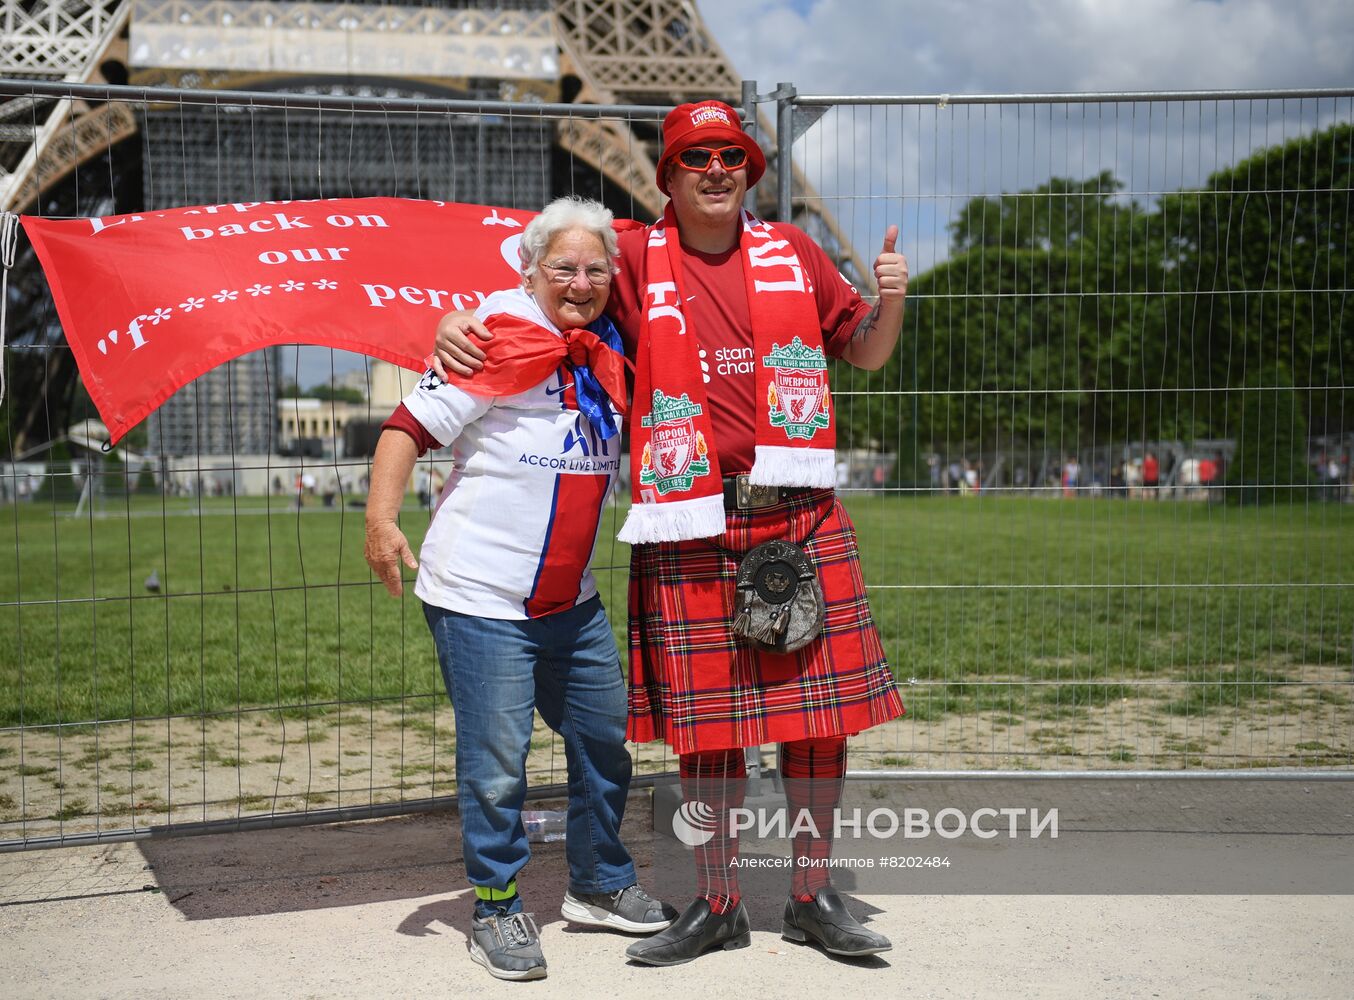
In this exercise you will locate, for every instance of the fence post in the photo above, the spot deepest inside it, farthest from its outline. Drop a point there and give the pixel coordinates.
(752, 756)
(750, 116)
(785, 137)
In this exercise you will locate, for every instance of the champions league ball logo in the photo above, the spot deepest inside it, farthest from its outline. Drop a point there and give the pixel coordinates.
(693, 823)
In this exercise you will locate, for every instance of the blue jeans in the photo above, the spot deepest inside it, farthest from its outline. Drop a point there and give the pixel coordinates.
(497, 671)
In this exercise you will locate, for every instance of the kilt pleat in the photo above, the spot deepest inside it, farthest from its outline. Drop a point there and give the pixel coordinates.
(696, 687)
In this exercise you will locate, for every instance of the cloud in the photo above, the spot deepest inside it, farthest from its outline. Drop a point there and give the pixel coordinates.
(919, 164)
(970, 46)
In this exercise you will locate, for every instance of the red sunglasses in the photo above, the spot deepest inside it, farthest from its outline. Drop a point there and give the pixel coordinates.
(698, 157)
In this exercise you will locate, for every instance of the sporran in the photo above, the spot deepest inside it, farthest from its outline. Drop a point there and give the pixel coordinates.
(779, 605)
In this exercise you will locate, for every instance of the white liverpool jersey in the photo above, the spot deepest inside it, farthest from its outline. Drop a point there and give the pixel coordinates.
(516, 524)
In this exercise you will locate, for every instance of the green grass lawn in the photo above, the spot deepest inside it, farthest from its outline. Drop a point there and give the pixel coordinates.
(1026, 605)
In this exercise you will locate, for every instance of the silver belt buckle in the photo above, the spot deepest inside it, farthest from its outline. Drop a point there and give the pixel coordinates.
(749, 497)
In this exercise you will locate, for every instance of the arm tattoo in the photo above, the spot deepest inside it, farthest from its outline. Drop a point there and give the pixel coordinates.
(866, 324)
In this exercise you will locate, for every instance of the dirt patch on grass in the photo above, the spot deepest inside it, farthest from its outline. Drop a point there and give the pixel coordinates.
(1148, 723)
(119, 776)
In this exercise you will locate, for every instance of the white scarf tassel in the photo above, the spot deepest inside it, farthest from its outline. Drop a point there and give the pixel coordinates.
(779, 466)
(675, 521)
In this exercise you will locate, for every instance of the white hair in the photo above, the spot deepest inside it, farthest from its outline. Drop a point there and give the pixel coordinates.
(559, 216)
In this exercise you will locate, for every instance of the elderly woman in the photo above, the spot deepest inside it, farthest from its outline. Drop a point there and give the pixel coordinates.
(505, 580)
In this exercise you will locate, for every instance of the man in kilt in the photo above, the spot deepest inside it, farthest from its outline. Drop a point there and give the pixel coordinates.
(730, 321)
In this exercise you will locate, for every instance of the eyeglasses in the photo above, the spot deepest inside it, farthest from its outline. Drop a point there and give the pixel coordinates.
(698, 157)
(564, 274)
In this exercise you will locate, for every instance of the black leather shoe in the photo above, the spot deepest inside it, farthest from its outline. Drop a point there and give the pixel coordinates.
(692, 934)
(826, 921)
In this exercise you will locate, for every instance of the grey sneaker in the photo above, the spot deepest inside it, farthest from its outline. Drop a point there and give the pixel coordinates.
(630, 909)
(508, 945)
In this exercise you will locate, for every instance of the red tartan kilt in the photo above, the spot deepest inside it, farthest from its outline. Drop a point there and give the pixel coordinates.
(694, 686)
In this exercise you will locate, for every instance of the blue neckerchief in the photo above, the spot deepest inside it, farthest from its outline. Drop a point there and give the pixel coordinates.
(592, 398)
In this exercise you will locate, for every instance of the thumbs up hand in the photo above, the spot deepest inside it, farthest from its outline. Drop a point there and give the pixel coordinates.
(890, 270)
(874, 339)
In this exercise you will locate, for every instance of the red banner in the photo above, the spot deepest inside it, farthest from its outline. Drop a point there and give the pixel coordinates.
(151, 301)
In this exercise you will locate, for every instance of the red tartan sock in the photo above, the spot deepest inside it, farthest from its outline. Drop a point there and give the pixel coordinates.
(716, 779)
(813, 772)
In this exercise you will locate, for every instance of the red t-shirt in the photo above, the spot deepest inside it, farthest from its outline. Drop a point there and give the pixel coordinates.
(403, 420)
(717, 313)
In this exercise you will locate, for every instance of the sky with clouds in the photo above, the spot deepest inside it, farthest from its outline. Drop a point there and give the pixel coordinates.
(917, 165)
(1035, 46)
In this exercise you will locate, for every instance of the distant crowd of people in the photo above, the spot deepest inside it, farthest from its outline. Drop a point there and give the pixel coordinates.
(1144, 476)
(959, 475)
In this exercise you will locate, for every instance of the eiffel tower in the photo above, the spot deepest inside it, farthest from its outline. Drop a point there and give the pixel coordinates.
(611, 52)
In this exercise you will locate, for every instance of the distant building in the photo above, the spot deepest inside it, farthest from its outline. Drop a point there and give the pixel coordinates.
(227, 411)
(320, 428)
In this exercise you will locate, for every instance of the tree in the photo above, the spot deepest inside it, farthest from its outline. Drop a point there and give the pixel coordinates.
(338, 393)
(1009, 340)
(1270, 462)
(1066, 316)
(324, 391)
(1262, 251)
(145, 481)
(1057, 215)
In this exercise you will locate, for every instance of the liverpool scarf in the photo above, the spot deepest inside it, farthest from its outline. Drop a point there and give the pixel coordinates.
(676, 486)
(523, 354)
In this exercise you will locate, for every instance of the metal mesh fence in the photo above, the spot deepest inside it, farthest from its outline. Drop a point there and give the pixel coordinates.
(191, 635)
(1102, 493)
(1103, 490)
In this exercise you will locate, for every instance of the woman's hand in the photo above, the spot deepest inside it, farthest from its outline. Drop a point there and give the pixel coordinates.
(386, 548)
(386, 545)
